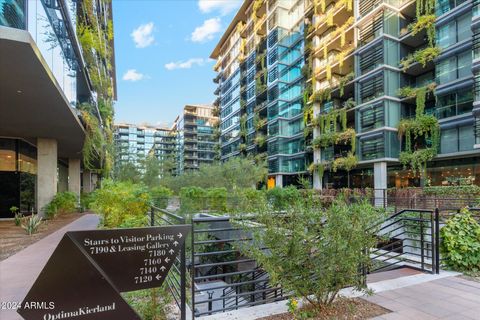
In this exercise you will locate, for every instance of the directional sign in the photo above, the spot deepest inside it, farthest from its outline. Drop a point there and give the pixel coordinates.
(87, 271)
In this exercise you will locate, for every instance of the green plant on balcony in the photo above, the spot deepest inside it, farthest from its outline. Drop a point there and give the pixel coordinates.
(349, 103)
(242, 147)
(420, 95)
(321, 95)
(318, 168)
(260, 140)
(422, 137)
(258, 122)
(346, 163)
(343, 81)
(423, 57)
(427, 23)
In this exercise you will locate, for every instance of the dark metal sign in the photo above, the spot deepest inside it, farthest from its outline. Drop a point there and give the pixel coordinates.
(87, 271)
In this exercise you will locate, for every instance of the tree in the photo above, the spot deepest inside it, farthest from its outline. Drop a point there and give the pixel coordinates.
(152, 170)
(127, 171)
(313, 253)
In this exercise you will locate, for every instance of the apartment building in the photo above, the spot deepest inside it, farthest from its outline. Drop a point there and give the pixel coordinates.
(133, 143)
(388, 91)
(260, 91)
(195, 139)
(49, 88)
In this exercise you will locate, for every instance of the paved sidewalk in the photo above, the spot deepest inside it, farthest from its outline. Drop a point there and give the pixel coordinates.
(18, 272)
(446, 298)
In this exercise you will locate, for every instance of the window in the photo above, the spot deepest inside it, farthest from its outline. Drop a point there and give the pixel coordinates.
(371, 88)
(371, 59)
(444, 6)
(453, 68)
(455, 31)
(372, 149)
(457, 139)
(454, 104)
(372, 117)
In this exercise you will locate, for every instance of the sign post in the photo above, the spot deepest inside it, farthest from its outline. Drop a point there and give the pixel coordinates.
(87, 271)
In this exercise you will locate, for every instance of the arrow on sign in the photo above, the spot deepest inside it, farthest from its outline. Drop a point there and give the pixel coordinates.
(180, 235)
(167, 259)
(162, 268)
(158, 277)
(171, 251)
(175, 243)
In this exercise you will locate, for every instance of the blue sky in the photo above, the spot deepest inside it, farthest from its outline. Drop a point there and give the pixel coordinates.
(162, 50)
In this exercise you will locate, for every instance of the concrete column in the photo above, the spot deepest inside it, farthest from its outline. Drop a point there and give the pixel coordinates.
(87, 181)
(380, 183)
(279, 181)
(62, 178)
(317, 154)
(46, 172)
(74, 176)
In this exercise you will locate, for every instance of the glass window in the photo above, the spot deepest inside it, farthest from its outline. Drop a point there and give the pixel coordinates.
(448, 141)
(466, 138)
(455, 31)
(12, 13)
(453, 68)
(7, 155)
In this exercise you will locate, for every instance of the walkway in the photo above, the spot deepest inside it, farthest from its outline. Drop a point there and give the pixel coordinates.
(445, 298)
(18, 272)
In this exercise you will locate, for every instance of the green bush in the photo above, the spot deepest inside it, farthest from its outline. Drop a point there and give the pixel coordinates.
(313, 253)
(460, 245)
(86, 200)
(217, 199)
(453, 191)
(160, 196)
(62, 202)
(192, 199)
(120, 203)
(281, 198)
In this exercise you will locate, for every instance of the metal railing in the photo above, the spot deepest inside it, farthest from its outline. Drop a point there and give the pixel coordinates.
(408, 238)
(225, 279)
(176, 279)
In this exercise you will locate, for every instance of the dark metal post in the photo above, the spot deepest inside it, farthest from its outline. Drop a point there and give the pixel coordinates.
(432, 241)
(422, 245)
(183, 282)
(152, 217)
(437, 241)
(192, 234)
(210, 302)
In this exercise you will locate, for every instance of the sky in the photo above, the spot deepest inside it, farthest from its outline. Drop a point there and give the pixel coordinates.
(162, 50)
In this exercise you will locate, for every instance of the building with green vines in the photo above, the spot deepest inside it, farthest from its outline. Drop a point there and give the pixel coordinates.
(57, 84)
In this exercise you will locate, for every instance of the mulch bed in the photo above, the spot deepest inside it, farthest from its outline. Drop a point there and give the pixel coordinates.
(341, 309)
(472, 277)
(14, 238)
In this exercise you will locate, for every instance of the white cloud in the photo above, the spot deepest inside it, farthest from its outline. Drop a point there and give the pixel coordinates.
(185, 64)
(223, 6)
(142, 36)
(133, 75)
(207, 30)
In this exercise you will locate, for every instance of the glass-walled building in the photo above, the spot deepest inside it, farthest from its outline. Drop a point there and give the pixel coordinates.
(195, 140)
(44, 78)
(259, 63)
(347, 84)
(133, 143)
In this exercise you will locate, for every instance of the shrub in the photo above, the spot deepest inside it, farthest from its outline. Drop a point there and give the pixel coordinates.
(160, 196)
(461, 242)
(30, 224)
(120, 202)
(17, 215)
(217, 199)
(281, 198)
(314, 253)
(86, 199)
(192, 199)
(62, 202)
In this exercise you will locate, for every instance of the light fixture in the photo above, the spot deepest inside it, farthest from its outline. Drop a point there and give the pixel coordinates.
(19, 91)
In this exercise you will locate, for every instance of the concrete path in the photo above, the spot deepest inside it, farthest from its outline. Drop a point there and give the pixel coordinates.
(445, 298)
(18, 272)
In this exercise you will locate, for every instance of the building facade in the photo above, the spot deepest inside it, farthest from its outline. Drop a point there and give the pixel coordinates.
(133, 143)
(47, 83)
(195, 139)
(260, 92)
(359, 93)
